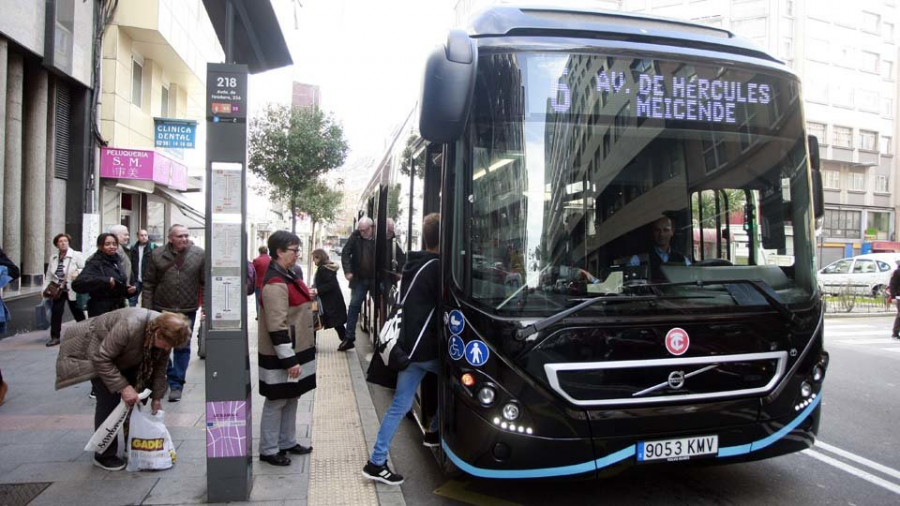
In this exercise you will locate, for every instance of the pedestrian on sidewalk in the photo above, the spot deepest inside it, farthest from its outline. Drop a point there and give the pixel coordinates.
(894, 288)
(140, 259)
(122, 353)
(64, 267)
(260, 265)
(358, 262)
(122, 237)
(104, 278)
(9, 272)
(287, 351)
(173, 282)
(334, 310)
(420, 335)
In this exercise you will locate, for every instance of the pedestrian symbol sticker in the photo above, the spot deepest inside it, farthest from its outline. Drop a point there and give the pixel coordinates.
(457, 323)
(456, 347)
(477, 353)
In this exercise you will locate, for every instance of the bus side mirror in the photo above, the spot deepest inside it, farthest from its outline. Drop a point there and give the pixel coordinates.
(814, 160)
(815, 165)
(447, 88)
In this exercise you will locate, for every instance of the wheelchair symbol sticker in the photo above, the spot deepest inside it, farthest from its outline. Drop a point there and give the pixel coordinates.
(456, 347)
(457, 323)
(477, 353)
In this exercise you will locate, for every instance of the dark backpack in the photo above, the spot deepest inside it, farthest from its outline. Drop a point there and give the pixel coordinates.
(251, 279)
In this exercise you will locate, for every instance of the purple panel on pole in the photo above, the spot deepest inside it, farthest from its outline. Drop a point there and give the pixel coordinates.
(227, 428)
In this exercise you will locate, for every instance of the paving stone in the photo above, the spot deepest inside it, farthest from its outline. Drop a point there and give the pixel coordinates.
(20, 494)
(278, 488)
(178, 490)
(74, 493)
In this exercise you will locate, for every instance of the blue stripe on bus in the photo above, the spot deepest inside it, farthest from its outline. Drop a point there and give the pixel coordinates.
(547, 472)
(613, 458)
(731, 451)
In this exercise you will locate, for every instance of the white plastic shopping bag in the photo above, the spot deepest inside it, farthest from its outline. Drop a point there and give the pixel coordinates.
(149, 443)
(111, 427)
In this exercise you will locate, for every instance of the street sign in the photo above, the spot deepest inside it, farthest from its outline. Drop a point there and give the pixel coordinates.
(226, 96)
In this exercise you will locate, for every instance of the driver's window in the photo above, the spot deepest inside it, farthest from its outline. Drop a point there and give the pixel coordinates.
(839, 267)
(863, 267)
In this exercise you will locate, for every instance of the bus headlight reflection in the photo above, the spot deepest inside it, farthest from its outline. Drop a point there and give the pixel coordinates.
(486, 396)
(510, 411)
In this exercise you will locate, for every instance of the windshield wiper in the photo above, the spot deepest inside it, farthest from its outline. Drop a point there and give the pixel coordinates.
(554, 318)
(760, 287)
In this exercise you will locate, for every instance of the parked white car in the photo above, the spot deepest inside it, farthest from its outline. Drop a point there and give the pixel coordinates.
(867, 274)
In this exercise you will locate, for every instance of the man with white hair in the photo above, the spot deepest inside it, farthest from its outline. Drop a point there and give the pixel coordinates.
(358, 262)
(122, 235)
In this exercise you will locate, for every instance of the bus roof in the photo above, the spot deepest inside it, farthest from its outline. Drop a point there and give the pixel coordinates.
(610, 25)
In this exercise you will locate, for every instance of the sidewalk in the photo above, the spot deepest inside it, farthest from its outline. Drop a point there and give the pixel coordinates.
(43, 433)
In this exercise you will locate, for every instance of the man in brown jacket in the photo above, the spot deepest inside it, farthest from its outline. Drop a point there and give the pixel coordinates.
(175, 276)
(121, 352)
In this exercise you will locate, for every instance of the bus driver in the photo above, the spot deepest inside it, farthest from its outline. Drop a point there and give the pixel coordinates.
(661, 253)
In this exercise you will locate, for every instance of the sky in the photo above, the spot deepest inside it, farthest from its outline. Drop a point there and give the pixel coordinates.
(366, 57)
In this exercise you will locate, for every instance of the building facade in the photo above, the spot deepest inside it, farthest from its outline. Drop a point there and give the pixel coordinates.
(152, 116)
(46, 82)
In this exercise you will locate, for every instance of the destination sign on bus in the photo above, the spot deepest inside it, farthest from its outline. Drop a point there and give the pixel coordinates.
(672, 97)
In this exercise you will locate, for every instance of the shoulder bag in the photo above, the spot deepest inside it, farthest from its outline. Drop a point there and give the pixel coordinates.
(388, 347)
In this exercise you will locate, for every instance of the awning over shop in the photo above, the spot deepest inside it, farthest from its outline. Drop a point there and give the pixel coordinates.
(178, 200)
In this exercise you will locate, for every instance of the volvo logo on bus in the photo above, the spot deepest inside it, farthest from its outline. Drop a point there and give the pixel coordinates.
(676, 379)
(677, 341)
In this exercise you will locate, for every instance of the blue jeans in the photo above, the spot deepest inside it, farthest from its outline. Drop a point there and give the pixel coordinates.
(181, 357)
(407, 382)
(357, 297)
(132, 301)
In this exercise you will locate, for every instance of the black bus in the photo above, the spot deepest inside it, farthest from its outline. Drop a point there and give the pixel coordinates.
(628, 226)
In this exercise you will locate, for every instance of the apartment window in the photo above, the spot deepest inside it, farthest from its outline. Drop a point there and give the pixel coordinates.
(868, 140)
(871, 22)
(832, 179)
(840, 223)
(789, 8)
(887, 107)
(844, 57)
(137, 77)
(842, 95)
(787, 48)
(817, 49)
(817, 91)
(842, 137)
(858, 181)
(881, 184)
(868, 61)
(754, 28)
(164, 103)
(867, 100)
(887, 145)
(887, 70)
(887, 31)
(817, 129)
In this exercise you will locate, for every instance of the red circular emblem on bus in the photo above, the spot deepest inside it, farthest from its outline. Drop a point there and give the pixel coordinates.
(677, 341)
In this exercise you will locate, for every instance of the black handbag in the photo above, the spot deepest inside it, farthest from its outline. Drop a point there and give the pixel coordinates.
(379, 374)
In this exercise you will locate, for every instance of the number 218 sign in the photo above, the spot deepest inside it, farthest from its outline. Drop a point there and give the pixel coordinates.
(227, 95)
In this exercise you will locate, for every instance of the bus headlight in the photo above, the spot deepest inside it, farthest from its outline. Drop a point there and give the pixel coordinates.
(818, 373)
(486, 396)
(805, 389)
(510, 411)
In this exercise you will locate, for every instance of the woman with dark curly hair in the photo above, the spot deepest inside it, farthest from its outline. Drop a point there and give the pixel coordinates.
(104, 278)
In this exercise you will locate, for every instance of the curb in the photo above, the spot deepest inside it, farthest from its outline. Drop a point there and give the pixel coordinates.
(387, 495)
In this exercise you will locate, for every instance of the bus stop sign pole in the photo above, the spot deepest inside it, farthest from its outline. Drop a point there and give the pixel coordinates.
(229, 438)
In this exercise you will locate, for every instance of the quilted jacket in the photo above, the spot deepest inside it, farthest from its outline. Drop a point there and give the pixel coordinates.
(168, 287)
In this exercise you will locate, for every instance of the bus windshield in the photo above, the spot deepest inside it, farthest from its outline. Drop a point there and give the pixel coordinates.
(588, 175)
